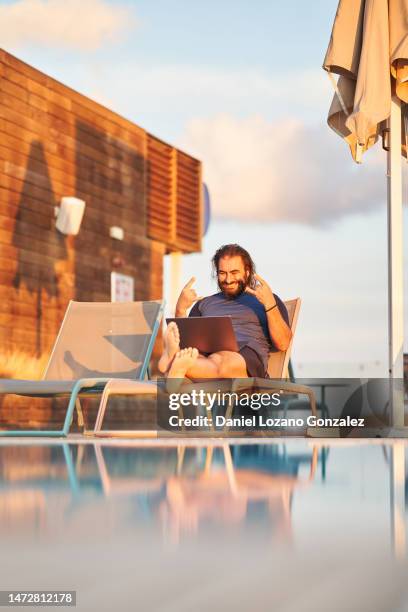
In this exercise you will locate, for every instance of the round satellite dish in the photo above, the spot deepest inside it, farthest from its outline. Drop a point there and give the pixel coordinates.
(206, 209)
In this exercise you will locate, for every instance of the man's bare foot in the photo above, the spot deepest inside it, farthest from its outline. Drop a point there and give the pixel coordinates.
(182, 362)
(171, 342)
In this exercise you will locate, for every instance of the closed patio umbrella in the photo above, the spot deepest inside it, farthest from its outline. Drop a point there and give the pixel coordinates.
(368, 49)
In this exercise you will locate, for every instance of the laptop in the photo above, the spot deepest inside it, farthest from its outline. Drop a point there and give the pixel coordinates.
(207, 334)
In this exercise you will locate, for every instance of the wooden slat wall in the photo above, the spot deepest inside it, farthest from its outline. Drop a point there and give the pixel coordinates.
(188, 203)
(174, 197)
(161, 190)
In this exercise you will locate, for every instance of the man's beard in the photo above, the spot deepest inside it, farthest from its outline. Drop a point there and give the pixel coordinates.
(231, 295)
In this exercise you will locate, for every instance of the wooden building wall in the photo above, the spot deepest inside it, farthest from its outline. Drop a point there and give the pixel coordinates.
(55, 142)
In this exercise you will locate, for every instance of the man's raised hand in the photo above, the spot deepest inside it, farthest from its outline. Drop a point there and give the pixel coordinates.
(263, 292)
(187, 298)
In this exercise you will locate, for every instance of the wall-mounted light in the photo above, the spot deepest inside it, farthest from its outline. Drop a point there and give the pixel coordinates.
(116, 232)
(69, 215)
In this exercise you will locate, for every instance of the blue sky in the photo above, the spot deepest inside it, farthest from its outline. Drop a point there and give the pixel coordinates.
(240, 85)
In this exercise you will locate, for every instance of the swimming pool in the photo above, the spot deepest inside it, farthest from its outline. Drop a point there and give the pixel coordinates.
(172, 525)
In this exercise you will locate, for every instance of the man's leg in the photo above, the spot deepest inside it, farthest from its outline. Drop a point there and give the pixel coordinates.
(171, 345)
(224, 364)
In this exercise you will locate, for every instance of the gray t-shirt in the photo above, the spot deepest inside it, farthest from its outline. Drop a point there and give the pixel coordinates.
(249, 319)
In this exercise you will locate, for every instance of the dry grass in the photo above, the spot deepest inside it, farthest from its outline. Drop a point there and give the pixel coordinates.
(22, 365)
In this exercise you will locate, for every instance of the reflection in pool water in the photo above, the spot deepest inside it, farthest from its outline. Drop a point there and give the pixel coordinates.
(179, 526)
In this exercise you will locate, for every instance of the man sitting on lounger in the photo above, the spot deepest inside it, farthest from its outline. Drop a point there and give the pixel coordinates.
(259, 319)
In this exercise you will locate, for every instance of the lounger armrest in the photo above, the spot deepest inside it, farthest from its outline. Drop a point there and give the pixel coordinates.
(85, 383)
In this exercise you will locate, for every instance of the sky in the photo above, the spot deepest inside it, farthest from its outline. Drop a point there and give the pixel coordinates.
(239, 85)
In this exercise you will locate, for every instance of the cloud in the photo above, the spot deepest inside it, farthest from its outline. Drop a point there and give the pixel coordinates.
(259, 170)
(157, 92)
(84, 25)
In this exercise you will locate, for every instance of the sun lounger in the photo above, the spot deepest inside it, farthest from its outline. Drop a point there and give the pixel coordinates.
(97, 342)
(278, 365)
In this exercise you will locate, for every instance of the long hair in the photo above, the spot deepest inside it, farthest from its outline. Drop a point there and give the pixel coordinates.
(233, 250)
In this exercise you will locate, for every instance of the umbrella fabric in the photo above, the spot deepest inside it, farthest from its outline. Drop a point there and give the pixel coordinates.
(399, 46)
(369, 42)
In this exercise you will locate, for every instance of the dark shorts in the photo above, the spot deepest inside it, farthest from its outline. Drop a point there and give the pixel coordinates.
(254, 364)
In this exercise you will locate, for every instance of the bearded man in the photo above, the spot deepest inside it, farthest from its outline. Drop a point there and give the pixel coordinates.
(259, 319)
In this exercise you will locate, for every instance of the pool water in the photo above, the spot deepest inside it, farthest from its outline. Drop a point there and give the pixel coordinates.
(287, 525)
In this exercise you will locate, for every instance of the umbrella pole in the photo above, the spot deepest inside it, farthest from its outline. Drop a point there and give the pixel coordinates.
(397, 500)
(395, 267)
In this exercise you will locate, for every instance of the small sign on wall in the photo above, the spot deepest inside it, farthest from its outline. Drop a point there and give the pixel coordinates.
(122, 288)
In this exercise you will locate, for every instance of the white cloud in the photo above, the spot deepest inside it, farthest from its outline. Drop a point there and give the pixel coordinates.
(76, 24)
(258, 170)
(185, 91)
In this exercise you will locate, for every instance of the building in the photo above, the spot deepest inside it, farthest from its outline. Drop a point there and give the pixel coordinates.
(55, 142)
